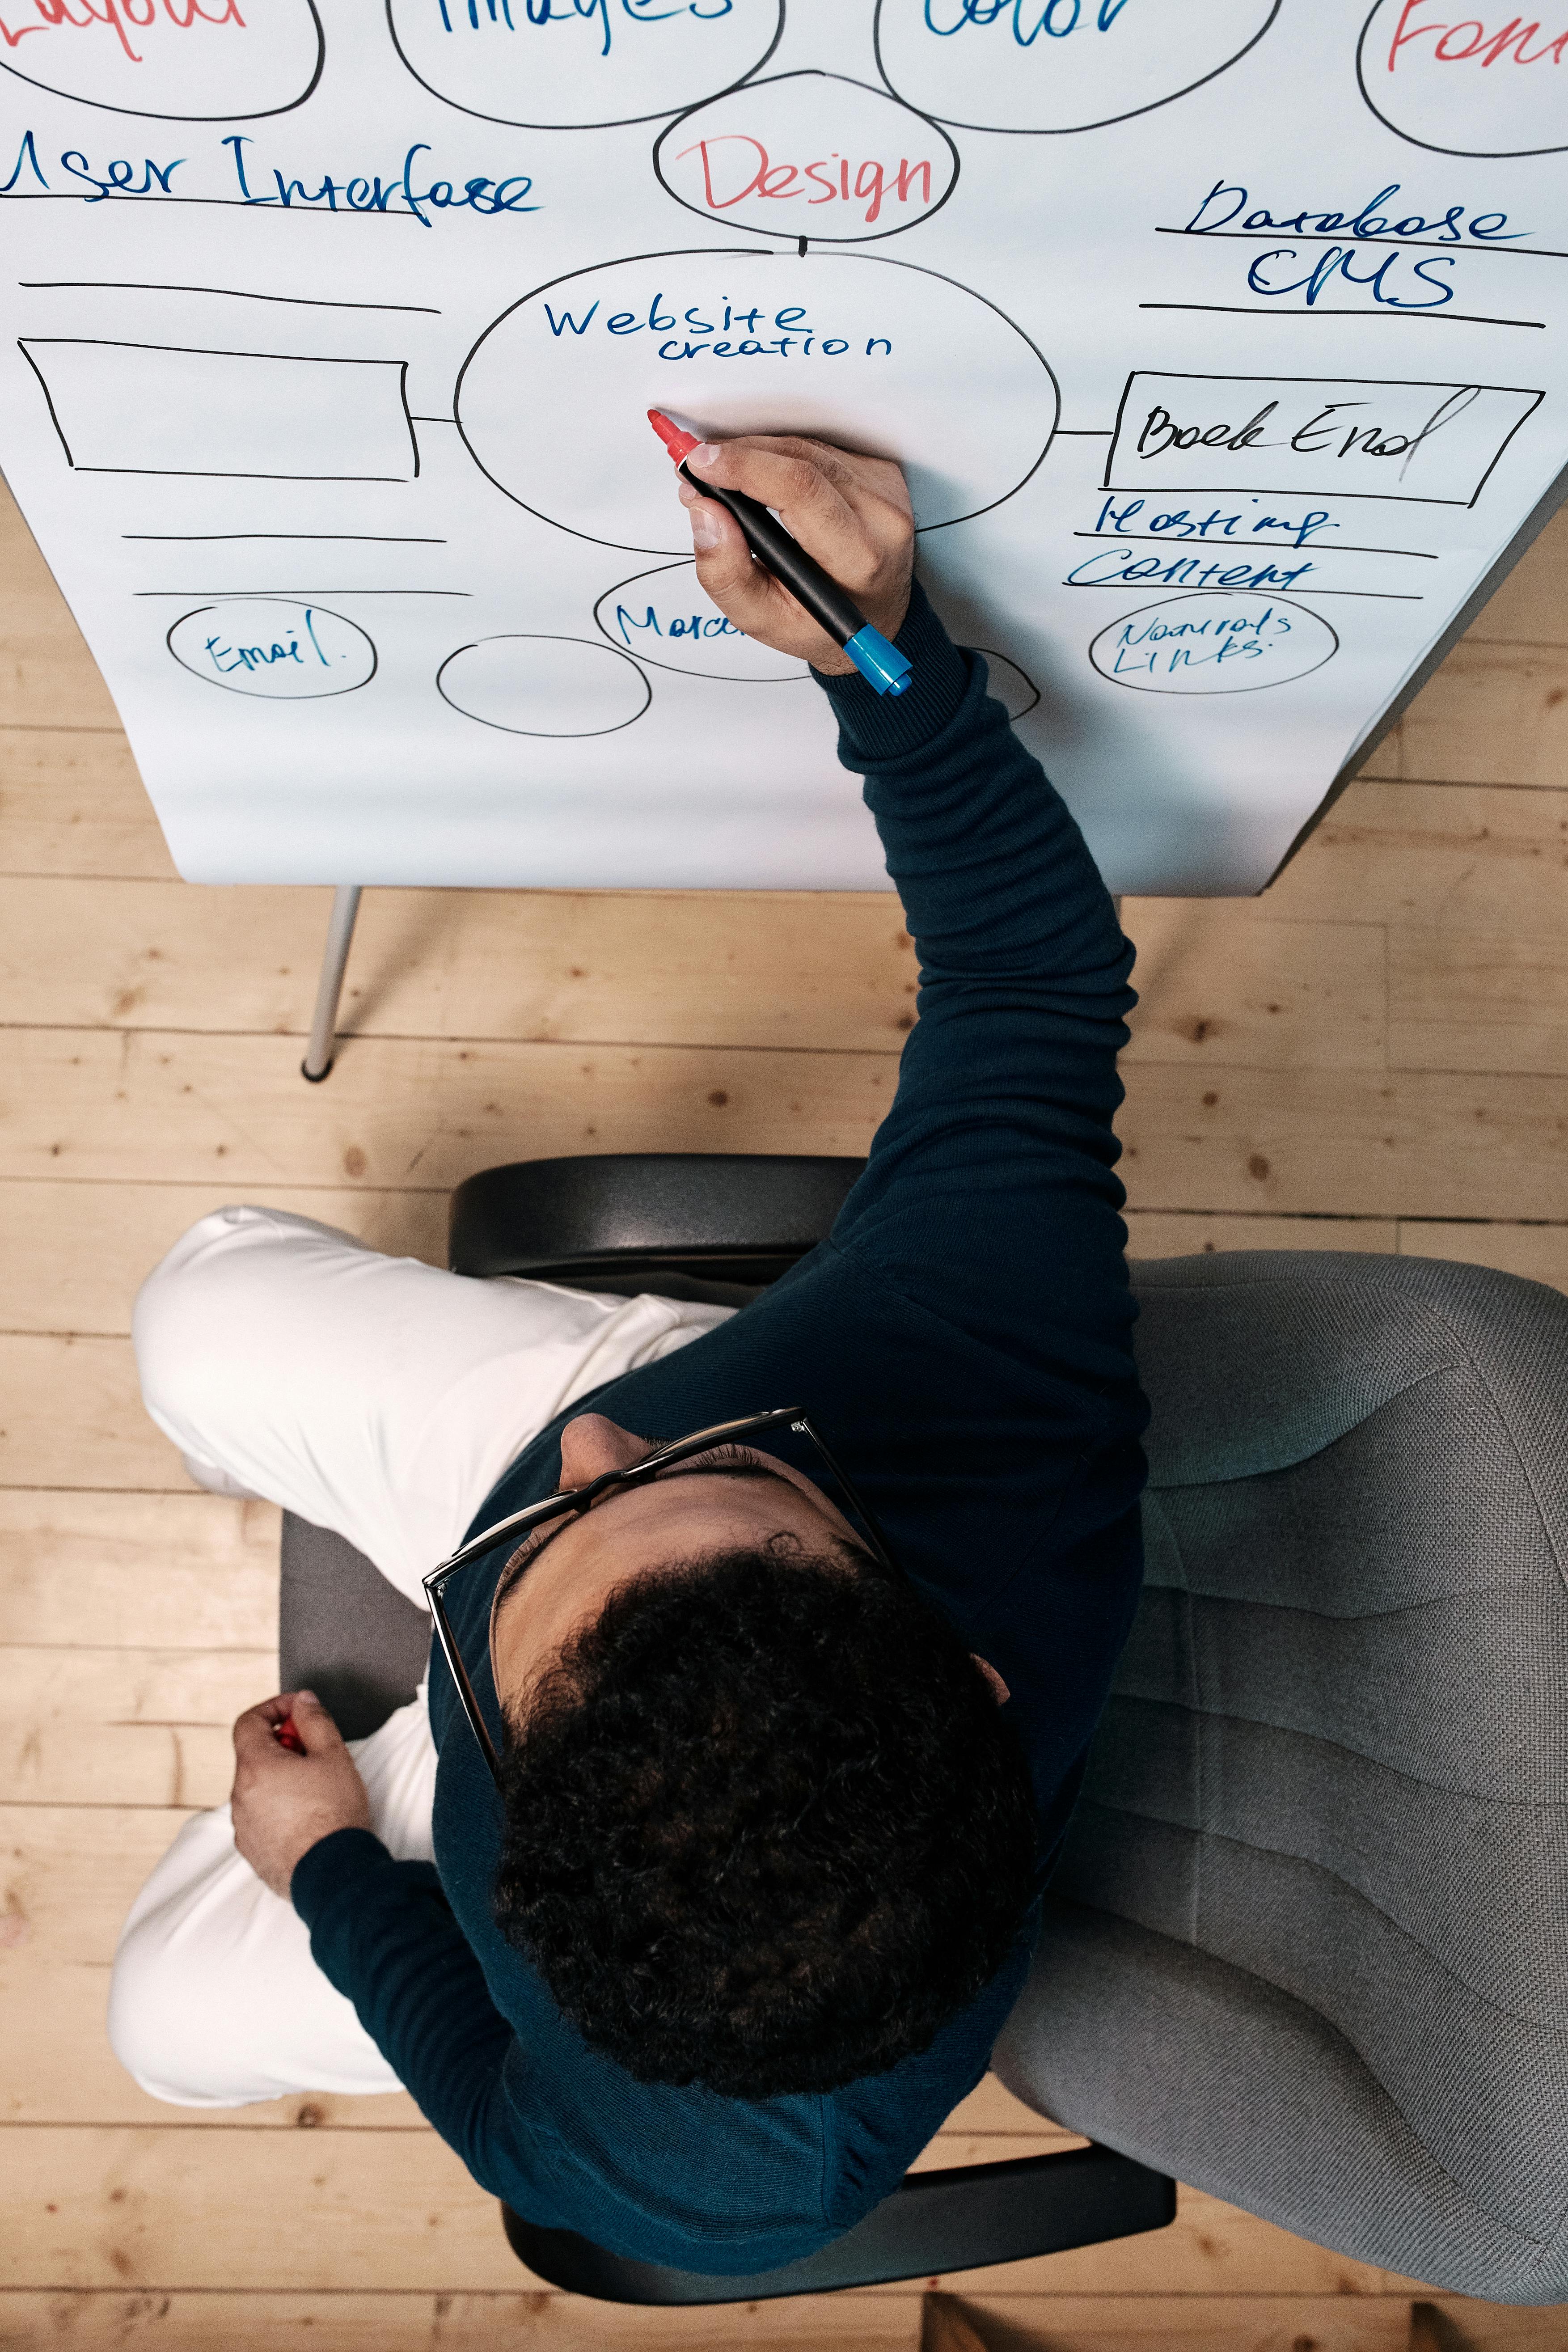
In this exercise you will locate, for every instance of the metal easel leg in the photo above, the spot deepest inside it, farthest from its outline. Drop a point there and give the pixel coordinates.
(318, 1062)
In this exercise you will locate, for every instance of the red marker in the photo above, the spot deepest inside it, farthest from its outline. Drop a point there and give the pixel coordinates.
(881, 663)
(287, 1735)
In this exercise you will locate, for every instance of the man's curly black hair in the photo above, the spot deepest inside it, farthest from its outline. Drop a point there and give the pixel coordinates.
(766, 1829)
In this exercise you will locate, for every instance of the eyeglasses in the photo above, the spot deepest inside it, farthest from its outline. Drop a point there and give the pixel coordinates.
(789, 1420)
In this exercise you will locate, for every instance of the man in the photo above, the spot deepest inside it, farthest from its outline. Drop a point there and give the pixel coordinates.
(735, 1922)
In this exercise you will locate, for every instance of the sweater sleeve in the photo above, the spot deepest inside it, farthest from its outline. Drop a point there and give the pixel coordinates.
(383, 1934)
(990, 1195)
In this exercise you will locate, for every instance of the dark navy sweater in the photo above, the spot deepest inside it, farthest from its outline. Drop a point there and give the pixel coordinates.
(962, 1340)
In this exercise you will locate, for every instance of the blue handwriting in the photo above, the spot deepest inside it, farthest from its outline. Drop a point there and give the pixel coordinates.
(1448, 227)
(374, 195)
(793, 331)
(1180, 522)
(545, 12)
(1030, 18)
(693, 625)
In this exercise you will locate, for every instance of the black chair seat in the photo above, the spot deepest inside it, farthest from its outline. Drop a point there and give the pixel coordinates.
(638, 1221)
(967, 2218)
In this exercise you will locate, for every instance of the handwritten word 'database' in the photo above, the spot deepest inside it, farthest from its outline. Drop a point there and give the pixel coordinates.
(836, 178)
(1466, 40)
(792, 334)
(458, 15)
(1226, 203)
(119, 18)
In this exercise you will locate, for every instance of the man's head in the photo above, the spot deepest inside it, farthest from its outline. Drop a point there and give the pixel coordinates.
(765, 1827)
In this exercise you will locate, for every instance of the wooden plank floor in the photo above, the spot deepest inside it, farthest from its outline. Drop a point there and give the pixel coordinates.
(1373, 1057)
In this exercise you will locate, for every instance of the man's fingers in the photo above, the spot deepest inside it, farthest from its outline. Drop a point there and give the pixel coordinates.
(806, 490)
(313, 1724)
(253, 1731)
(742, 592)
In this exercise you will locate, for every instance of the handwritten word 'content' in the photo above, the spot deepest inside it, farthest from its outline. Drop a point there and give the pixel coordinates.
(193, 60)
(1057, 65)
(1490, 82)
(559, 64)
(1213, 644)
(273, 648)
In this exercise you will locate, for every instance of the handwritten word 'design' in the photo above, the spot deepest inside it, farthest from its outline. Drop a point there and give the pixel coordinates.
(120, 18)
(836, 178)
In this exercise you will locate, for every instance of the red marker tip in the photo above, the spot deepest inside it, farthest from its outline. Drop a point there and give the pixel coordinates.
(679, 444)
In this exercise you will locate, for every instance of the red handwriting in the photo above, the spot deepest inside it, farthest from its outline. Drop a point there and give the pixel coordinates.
(1468, 37)
(871, 182)
(120, 18)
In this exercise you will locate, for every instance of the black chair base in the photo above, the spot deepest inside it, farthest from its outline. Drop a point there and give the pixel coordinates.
(965, 2219)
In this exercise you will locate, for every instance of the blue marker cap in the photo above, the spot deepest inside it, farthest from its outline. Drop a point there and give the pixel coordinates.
(878, 663)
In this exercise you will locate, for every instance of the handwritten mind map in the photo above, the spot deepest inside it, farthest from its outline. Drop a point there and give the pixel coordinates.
(1222, 344)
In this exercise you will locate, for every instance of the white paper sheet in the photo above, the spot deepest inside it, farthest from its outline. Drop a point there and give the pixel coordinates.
(1223, 341)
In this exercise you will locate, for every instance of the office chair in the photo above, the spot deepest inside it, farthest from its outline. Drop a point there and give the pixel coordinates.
(1306, 1949)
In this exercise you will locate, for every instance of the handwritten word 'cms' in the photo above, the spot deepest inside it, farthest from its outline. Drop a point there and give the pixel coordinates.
(120, 18)
(872, 181)
(458, 16)
(1027, 18)
(1466, 40)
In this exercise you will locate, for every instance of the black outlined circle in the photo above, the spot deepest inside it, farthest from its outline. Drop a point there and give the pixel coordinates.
(294, 603)
(817, 234)
(993, 658)
(533, 636)
(758, 252)
(612, 123)
(1430, 146)
(796, 674)
(160, 114)
(1213, 596)
(1007, 130)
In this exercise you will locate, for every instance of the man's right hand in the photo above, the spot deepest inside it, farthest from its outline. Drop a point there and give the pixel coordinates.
(851, 513)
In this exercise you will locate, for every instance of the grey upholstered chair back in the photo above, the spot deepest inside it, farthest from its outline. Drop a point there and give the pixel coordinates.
(1308, 1946)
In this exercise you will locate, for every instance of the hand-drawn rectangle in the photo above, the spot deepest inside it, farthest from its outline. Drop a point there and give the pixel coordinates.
(155, 408)
(1313, 437)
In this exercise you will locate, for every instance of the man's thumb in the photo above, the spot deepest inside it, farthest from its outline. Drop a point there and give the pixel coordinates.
(313, 1724)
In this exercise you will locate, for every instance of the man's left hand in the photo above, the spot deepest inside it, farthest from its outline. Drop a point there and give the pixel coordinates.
(284, 1805)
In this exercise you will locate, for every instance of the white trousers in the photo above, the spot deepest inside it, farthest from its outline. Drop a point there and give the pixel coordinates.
(383, 1398)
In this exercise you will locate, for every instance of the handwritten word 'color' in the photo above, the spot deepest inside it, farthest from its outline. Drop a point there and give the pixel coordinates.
(117, 16)
(1029, 18)
(872, 179)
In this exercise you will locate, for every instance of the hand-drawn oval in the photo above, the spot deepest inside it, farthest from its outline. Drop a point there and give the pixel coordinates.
(809, 154)
(544, 686)
(1005, 65)
(1013, 688)
(859, 349)
(1458, 85)
(1215, 642)
(667, 618)
(181, 60)
(571, 66)
(282, 650)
